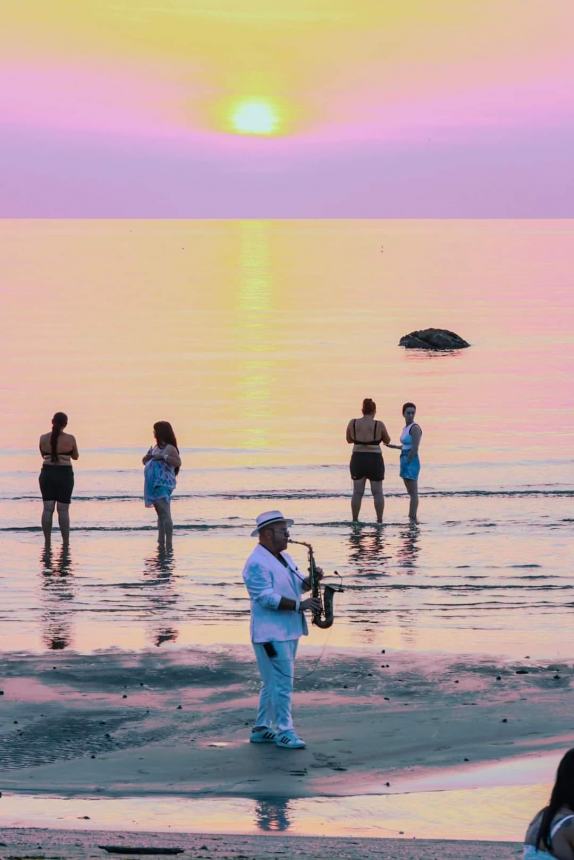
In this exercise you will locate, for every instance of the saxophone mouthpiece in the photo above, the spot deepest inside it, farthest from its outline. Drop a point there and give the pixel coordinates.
(299, 542)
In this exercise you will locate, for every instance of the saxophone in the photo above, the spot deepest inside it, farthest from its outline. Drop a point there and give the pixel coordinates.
(322, 617)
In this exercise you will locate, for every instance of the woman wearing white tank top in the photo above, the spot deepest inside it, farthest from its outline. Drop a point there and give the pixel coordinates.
(410, 464)
(551, 832)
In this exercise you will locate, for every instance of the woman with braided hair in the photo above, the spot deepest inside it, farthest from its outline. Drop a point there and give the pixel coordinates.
(57, 449)
(366, 434)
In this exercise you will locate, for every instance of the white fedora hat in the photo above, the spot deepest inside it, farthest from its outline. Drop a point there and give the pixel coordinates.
(268, 519)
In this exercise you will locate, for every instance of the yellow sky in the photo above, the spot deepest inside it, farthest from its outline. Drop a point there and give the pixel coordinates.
(171, 73)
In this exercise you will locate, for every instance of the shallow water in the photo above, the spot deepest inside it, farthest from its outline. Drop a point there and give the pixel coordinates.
(444, 814)
(258, 340)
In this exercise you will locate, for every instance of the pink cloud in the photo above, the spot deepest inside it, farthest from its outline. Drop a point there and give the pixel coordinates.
(81, 97)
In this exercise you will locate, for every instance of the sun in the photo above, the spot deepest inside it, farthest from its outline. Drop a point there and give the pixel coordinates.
(255, 116)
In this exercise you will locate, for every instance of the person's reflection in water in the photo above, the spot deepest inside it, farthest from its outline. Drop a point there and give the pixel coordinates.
(367, 551)
(58, 595)
(272, 815)
(158, 573)
(409, 547)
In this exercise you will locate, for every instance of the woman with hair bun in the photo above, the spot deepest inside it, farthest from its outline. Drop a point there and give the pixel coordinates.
(551, 832)
(57, 449)
(161, 467)
(365, 434)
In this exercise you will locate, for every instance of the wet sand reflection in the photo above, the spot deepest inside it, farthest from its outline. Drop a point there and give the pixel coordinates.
(367, 551)
(57, 598)
(273, 815)
(158, 587)
(409, 547)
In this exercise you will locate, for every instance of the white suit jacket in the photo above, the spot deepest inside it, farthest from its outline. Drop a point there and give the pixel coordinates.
(267, 581)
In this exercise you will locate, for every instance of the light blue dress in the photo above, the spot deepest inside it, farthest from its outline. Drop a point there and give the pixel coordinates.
(159, 479)
(409, 470)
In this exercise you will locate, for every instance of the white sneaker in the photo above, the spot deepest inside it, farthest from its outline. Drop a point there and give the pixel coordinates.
(262, 735)
(289, 740)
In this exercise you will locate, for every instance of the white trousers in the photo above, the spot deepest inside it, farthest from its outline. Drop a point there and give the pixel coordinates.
(276, 684)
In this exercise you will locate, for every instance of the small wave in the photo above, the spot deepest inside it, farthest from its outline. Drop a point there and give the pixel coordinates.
(519, 566)
(143, 528)
(463, 587)
(289, 495)
(230, 496)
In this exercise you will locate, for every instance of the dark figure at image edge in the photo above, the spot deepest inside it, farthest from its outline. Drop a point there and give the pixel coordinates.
(551, 832)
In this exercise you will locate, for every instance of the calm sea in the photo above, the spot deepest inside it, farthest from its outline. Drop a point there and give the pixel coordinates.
(258, 340)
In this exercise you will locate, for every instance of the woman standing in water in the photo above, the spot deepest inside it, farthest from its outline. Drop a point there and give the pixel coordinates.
(366, 435)
(162, 464)
(56, 479)
(409, 460)
(551, 832)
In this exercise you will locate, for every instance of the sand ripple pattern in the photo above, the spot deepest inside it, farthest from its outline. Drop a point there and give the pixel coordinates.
(74, 736)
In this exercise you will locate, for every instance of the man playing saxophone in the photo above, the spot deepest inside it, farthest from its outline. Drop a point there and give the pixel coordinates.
(275, 585)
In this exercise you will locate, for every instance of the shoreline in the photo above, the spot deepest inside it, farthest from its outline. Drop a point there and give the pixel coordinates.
(72, 845)
(464, 815)
(527, 769)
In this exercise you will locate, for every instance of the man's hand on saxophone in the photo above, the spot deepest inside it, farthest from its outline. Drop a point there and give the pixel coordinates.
(312, 603)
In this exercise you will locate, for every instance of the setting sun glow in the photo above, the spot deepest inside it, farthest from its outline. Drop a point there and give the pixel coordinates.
(255, 116)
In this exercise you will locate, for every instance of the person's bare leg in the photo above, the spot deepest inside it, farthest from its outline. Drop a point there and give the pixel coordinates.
(357, 498)
(160, 525)
(47, 516)
(64, 522)
(168, 525)
(413, 491)
(165, 523)
(378, 499)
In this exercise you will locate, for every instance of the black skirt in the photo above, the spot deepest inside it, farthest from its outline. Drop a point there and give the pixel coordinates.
(366, 465)
(57, 483)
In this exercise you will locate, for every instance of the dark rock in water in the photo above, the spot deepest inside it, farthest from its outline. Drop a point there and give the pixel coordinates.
(434, 339)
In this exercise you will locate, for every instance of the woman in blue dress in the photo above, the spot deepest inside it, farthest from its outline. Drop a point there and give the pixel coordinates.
(551, 832)
(410, 462)
(161, 466)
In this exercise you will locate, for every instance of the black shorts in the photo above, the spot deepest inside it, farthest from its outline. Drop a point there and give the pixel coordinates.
(366, 465)
(57, 483)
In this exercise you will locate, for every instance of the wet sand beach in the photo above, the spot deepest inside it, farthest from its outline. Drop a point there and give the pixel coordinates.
(160, 734)
(178, 723)
(73, 845)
